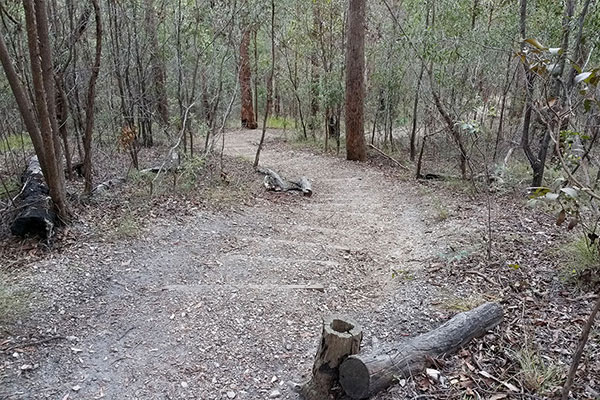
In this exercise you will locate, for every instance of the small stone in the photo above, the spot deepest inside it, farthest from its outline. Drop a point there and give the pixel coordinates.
(76, 388)
(296, 387)
(231, 394)
(275, 394)
(184, 385)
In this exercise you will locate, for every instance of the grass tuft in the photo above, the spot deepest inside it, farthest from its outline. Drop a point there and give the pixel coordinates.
(581, 261)
(537, 376)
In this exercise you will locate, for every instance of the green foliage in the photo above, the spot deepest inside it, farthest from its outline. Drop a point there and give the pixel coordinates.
(15, 142)
(280, 122)
(192, 170)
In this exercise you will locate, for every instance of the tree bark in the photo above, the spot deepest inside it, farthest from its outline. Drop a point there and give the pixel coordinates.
(367, 374)
(355, 85)
(248, 117)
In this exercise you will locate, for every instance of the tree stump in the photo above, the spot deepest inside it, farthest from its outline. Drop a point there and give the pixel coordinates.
(364, 375)
(341, 338)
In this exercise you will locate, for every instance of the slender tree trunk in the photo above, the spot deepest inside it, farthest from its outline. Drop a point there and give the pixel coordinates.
(91, 101)
(62, 115)
(507, 84)
(537, 162)
(269, 101)
(566, 33)
(159, 74)
(42, 71)
(579, 352)
(355, 85)
(413, 133)
(255, 36)
(577, 50)
(248, 117)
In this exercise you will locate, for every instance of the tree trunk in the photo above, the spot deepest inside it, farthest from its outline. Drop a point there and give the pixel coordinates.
(43, 126)
(577, 50)
(538, 162)
(451, 126)
(413, 133)
(269, 101)
(566, 33)
(248, 117)
(367, 374)
(91, 102)
(159, 74)
(355, 85)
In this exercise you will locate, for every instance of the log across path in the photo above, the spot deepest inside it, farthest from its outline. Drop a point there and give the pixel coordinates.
(229, 305)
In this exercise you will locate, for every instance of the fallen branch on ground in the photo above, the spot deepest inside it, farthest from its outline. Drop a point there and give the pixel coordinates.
(31, 344)
(398, 163)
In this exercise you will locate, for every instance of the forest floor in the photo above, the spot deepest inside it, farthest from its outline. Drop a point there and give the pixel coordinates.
(225, 301)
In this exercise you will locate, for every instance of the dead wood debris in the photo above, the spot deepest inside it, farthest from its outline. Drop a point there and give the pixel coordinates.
(274, 182)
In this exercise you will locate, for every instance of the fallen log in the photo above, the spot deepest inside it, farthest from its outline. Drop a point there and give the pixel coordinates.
(341, 338)
(303, 185)
(35, 215)
(274, 182)
(364, 375)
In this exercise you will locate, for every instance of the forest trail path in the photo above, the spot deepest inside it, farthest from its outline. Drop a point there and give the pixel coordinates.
(208, 307)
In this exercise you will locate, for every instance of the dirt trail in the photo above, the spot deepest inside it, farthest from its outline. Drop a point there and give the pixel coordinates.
(206, 307)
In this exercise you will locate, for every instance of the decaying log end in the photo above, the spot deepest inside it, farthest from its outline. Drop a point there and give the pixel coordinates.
(364, 375)
(36, 215)
(341, 338)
